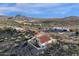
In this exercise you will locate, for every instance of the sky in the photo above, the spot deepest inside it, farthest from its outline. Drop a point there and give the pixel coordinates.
(40, 10)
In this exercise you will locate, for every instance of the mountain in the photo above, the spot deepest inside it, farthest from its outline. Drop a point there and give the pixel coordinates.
(17, 17)
(28, 18)
(67, 20)
(74, 20)
(71, 18)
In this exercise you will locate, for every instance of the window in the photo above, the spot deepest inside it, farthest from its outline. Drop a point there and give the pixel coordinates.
(35, 43)
(43, 46)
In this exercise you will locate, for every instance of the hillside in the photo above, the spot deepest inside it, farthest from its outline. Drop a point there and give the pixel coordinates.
(14, 43)
(15, 31)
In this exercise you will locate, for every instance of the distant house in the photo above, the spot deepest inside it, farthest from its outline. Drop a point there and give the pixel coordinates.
(61, 29)
(41, 40)
(58, 29)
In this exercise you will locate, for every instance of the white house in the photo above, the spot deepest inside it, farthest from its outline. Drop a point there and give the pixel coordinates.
(42, 40)
(61, 28)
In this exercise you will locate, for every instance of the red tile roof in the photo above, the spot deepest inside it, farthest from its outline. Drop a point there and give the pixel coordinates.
(43, 38)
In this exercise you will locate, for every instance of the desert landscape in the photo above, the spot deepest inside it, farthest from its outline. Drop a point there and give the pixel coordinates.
(16, 31)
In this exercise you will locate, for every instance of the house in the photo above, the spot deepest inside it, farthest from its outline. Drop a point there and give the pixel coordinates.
(61, 29)
(58, 29)
(41, 40)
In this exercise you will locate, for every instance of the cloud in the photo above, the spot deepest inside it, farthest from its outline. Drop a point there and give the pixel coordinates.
(38, 8)
(37, 4)
(2, 13)
(24, 8)
(63, 9)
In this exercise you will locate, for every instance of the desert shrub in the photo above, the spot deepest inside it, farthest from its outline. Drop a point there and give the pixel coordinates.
(71, 30)
(76, 32)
